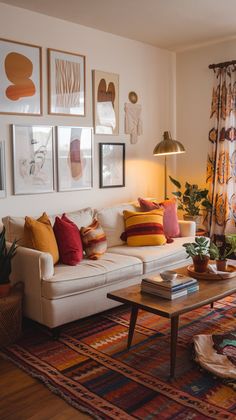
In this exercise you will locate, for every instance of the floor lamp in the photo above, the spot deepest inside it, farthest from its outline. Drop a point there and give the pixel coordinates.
(166, 147)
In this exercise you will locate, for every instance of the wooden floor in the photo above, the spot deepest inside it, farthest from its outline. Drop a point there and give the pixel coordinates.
(23, 397)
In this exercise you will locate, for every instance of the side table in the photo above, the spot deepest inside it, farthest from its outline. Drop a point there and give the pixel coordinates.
(11, 315)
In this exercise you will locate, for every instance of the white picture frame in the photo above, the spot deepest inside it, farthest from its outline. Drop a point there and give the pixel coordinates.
(33, 159)
(74, 158)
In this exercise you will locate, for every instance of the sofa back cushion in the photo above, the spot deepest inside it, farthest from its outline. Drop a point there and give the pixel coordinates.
(15, 225)
(112, 222)
(68, 240)
(144, 228)
(94, 240)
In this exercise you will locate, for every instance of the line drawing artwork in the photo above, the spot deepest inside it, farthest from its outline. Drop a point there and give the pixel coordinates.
(67, 83)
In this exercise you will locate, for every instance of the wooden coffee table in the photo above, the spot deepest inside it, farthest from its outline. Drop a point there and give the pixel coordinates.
(209, 292)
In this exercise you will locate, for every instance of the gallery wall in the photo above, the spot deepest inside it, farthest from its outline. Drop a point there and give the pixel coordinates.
(147, 70)
(194, 89)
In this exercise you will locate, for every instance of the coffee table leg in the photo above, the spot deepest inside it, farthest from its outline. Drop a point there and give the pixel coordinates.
(132, 322)
(173, 345)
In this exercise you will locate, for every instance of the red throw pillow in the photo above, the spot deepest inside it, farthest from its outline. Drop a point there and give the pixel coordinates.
(68, 240)
(170, 217)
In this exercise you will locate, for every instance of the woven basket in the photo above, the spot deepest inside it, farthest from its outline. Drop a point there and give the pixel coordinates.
(11, 315)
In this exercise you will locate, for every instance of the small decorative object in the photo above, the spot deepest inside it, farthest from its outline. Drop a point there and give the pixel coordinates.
(74, 158)
(168, 275)
(6, 256)
(200, 253)
(111, 165)
(133, 121)
(66, 83)
(2, 171)
(33, 159)
(106, 102)
(20, 75)
(133, 97)
(191, 200)
(166, 147)
(219, 251)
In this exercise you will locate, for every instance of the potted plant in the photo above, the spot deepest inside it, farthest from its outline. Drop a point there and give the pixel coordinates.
(220, 250)
(200, 253)
(191, 200)
(6, 256)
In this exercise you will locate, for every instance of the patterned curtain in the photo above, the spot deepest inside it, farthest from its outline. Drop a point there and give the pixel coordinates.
(221, 162)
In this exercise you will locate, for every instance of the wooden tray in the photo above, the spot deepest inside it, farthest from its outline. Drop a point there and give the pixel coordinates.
(207, 275)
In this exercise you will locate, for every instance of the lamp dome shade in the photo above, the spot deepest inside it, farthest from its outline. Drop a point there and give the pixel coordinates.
(168, 146)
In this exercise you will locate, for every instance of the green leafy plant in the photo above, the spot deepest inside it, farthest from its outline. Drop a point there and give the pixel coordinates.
(192, 198)
(201, 247)
(6, 256)
(220, 251)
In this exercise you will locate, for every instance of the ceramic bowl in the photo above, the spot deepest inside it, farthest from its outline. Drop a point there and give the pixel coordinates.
(168, 275)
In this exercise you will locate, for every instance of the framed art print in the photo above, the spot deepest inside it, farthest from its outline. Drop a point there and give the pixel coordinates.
(66, 83)
(74, 158)
(106, 102)
(2, 171)
(111, 165)
(21, 78)
(33, 159)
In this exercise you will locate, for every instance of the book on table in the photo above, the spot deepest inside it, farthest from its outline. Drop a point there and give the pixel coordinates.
(180, 286)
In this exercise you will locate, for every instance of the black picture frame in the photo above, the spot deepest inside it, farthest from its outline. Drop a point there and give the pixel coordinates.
(111, 165)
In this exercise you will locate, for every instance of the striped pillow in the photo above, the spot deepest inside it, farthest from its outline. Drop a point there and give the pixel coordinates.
(94, 240)
(144, 228)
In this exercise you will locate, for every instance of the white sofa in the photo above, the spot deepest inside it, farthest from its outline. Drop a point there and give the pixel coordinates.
(55, 295)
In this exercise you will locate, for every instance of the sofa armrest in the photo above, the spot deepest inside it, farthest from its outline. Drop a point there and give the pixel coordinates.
(187, 228)
(31, 267)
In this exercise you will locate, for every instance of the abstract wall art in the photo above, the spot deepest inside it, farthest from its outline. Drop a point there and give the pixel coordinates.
(21, 78)
(33, 159)
(66, 83)
(111, 165)
(74, 158)
(106, 102)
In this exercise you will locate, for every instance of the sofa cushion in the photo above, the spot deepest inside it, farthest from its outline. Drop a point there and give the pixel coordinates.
(94, 240)
(68, 240)
(144, 228)
(156, 258)
(40, 236)
(71, 280)
(15, 225)
(112, 221)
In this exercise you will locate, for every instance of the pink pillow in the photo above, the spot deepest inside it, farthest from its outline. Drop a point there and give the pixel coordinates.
(68, 240)
(170, 218)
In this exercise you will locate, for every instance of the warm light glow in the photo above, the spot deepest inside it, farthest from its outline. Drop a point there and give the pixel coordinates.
(170, 153)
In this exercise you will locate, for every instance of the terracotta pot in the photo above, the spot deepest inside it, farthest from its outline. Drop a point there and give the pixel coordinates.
(197, 219)
(221, 265)
(5, 289)
(200, 264)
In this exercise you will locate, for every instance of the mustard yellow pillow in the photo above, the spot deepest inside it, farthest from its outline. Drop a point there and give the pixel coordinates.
(38, 234)
(144, 228)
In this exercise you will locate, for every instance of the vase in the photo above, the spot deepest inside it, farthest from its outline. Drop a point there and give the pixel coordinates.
(197, 219)
(221, 265)
(200, 264)
(5, 289)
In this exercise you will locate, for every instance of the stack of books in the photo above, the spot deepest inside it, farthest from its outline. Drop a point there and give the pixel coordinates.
(180, 286)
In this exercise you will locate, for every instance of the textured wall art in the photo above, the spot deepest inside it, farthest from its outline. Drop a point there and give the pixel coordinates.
(33, 158)
(74, 158)
(20, 75)
(106, 102)
(66, 77)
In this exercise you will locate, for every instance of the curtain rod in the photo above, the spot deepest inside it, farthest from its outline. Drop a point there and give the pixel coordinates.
(222, 65)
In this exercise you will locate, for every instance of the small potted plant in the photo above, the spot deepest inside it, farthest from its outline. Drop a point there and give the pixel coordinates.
(6, 256)
(200, 253)
(191, 200)
(220, 250)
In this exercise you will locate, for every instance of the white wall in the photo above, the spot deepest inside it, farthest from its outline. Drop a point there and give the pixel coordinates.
(194, 89)
(147, 70)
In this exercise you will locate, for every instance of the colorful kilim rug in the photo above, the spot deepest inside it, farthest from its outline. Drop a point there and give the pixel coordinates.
(92, 369)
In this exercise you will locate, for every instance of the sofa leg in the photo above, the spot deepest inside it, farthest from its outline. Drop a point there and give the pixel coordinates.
(55, 333)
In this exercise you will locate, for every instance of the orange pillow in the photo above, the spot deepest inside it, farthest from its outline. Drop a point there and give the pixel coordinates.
(38, 234)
